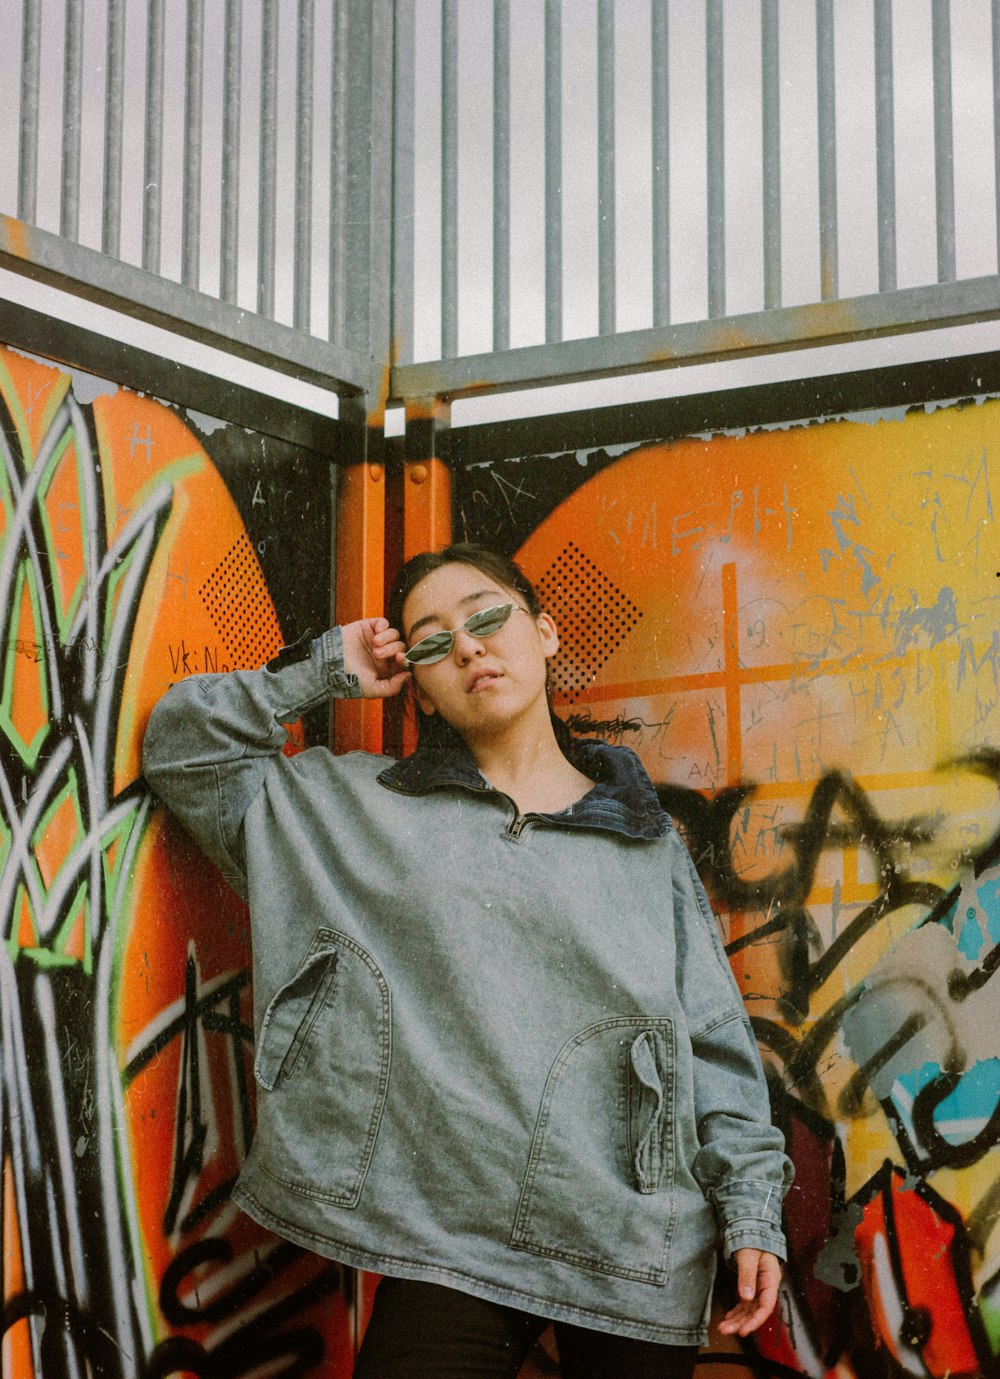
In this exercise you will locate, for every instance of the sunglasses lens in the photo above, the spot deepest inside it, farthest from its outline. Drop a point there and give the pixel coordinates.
(489, 620)
(431, 649)
(438, 644)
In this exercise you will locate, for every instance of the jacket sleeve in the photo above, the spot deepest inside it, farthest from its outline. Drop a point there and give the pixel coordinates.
(741, 1165)
(211, 739)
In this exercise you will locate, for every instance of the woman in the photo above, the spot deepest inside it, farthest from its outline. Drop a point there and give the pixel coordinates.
(502, 1059)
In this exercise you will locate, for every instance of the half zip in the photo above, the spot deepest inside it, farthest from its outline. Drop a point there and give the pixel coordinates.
(513, 831)
(520, 822)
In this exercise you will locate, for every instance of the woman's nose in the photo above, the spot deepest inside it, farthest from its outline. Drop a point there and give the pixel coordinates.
(466, 646)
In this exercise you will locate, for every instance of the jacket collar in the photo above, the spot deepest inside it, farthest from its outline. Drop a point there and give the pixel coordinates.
(622, 800)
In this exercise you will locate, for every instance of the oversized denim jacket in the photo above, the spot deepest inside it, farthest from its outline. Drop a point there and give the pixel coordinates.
(500, 1053)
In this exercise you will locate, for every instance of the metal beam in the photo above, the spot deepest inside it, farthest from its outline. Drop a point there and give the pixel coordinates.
(89, 274)
(698, 342)
(123, 364)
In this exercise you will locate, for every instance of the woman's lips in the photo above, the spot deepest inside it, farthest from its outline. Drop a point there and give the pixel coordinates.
(482, 679)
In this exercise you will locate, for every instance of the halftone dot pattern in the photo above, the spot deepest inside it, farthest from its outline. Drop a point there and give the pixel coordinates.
(593, 615)
(240, 606)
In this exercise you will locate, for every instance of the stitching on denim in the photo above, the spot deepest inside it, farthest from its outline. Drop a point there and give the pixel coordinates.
(351, 1196)
(519, 1239)
(220, 813)
(381, 1257)
(717, 1023)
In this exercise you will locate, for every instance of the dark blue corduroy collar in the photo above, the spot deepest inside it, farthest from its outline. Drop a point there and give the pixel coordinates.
(622, 800)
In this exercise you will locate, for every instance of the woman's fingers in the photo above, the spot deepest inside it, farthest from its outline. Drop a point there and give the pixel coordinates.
(373, 652)
(758, 1277)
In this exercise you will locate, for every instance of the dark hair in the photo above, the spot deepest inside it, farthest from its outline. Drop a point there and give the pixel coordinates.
(488, 562)
(432, 729)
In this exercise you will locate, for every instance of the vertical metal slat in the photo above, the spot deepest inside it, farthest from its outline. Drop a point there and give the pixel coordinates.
(827, 129)
(660, 141)
(69, 213)
(553, 172)
(232, 89)
(152, 199)
(449, 179)
(114, 115)
(771, 150)
(268, 193)
(27, 169)
(944, 168)
(715, 158)
(885, 147)
(501, 174)
(403, 177)
(193, 99)
(996, 118)
(606, 167)
(302, 294)
(337, 327)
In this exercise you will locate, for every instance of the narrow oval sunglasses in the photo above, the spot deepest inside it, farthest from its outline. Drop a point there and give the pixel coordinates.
(481, 624)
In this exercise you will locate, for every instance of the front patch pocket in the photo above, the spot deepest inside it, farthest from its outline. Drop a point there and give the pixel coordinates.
(598, 1188)
(323, 1061)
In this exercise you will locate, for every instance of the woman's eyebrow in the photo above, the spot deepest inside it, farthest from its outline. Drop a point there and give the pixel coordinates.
(436, 617)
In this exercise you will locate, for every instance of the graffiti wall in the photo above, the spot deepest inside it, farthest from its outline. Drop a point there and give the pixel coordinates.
(797, 630)
(136, 545)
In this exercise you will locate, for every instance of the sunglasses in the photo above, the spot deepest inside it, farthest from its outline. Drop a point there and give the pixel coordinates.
(482, 624)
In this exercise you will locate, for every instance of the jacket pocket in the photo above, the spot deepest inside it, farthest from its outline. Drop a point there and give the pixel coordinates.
(323, 1061)
(598, 1190)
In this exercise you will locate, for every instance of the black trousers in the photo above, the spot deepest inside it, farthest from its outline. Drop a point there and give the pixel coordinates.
(424, 1331)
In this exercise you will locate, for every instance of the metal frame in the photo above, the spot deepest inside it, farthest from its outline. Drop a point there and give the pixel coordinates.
(824, 323)
(372, 176)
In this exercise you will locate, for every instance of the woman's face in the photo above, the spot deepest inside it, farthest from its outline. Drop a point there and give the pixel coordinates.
(484, 684)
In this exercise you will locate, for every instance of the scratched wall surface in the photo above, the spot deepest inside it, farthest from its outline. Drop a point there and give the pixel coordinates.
(797, 631)
(126, 562)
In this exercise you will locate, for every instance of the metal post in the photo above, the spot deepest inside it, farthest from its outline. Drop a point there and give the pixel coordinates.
(771, 148)
(996, 118)
(553, 171)
(501, 174)
(69, 214)
(338, 176)
(232, 88)
(426, 493)
(268, 186)
(114, 119)
(360, 578)
(944, 166)
(449, 179)
(368, 202)
(715, 158)
(193, 94)
(885, 147)
(827, 121)
(661, 164)
(27, 170)
(606, 167)
(152, 199)
(403, 180)
(302, 292)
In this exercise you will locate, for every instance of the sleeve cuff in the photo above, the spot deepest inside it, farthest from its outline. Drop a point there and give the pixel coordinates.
(328, 651)
(753, 1235)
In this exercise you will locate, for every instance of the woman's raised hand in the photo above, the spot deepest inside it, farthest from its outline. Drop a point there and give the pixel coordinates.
(373, 651)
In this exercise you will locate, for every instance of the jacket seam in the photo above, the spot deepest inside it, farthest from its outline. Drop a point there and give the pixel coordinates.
(717, 1023)
(329, 1240)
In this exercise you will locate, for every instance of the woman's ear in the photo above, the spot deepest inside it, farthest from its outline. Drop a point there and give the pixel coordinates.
(549, 635)
(426, 704)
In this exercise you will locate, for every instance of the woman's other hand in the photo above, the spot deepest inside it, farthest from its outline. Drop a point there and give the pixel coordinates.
(758, 1274)
(373, 651)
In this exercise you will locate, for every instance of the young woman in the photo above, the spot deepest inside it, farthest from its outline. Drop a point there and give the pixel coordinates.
(501, 1056)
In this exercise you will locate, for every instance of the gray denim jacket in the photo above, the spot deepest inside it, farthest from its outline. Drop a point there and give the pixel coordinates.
(500, 1053)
